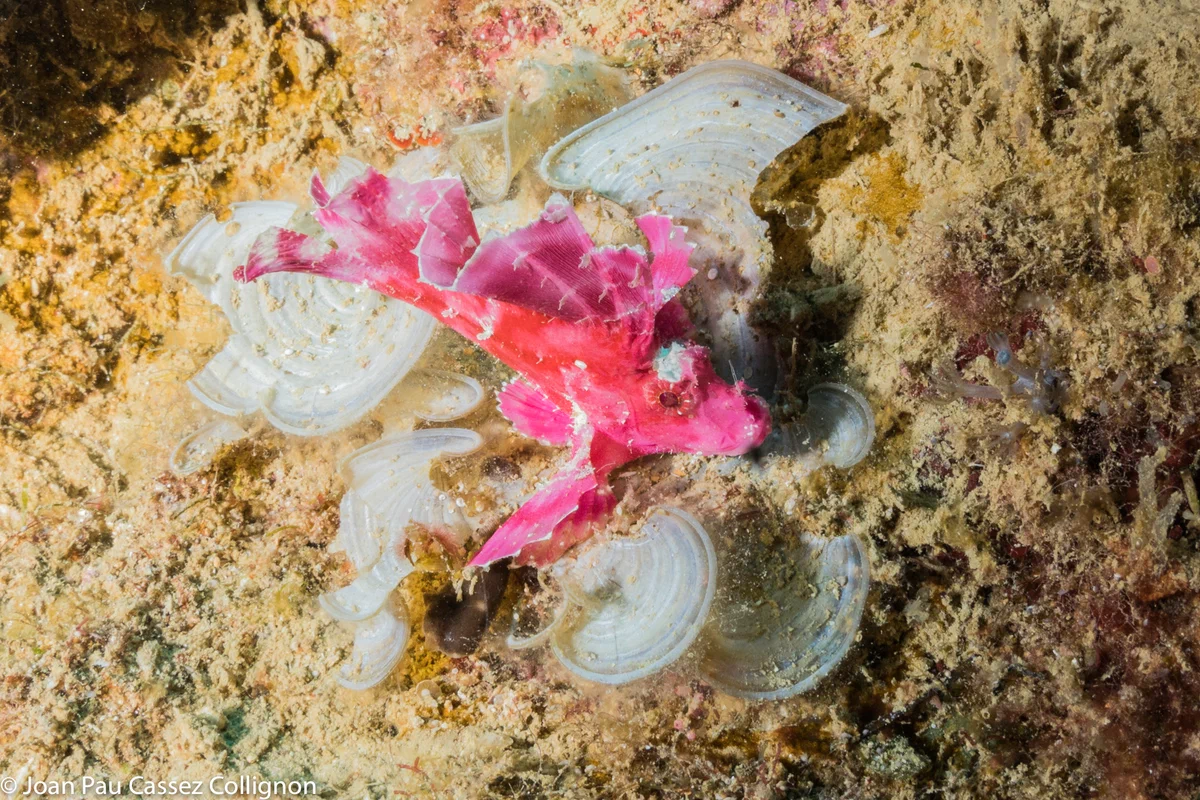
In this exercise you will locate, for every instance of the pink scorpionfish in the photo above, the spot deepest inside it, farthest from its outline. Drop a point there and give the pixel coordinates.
(592, 331)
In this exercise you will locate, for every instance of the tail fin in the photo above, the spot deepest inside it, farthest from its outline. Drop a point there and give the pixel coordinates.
(383, 228)
(283, 250)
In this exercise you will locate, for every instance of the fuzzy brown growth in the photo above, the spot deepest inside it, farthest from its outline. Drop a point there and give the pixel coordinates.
(999, 249)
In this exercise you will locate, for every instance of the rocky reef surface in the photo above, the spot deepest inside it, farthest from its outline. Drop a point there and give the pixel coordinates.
(997, 246)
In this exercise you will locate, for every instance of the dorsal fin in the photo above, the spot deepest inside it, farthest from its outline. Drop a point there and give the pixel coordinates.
(390, 222)
(552, 266)
(450, 236)
(669, 269)
(426, 231)
(542, 266)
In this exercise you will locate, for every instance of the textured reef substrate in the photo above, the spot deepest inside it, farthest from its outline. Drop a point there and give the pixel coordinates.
(1023, 169)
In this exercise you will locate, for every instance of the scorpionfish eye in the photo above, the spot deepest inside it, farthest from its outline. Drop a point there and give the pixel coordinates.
(675, 398)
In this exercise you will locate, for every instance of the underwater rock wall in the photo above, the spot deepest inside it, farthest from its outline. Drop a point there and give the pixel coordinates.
(1010, 169)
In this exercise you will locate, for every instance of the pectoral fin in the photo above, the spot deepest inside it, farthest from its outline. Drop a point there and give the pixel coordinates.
(533, 414)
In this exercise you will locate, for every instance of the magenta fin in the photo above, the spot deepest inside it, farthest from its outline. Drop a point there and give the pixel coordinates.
(450, 236)
(540, 267)
(551, 266)
(533, 414)
(317, 190)
(595, 506)
(539, 518)
(283, 250)
(627, 277)
(382, 220)
(669, 268)
(382, 226)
